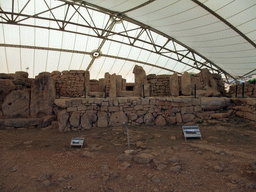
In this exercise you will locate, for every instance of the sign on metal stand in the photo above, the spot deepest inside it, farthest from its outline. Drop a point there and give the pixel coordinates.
(77, 142)
(191, 131)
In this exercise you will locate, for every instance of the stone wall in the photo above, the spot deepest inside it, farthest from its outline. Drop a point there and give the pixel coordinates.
(249, 90)
(80, 114)
(159, 85)
(245, 108)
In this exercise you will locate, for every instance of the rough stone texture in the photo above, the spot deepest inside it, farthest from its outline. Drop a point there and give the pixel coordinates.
(42, 95)
(87, 120)
(87, 82)
(23, 122)
(171, 120)
(160, 120)
(102, 119)
(188, 117)
(149, 119)
(63, 120)
(118, 85)
(210, 104)
(140, 79)
(112, 90)
(118, 118)
(143, 158)
(75, 119)
(178, 118)
(16, 104)
(6, 87)
(174, 85)
(186, 87)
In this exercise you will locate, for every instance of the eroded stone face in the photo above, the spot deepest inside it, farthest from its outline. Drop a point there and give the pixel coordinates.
(63, 120)
(16, 104)
(102, 119)
(174, 85)
(186, 87)
(42, 95)
(118, 118)
(149, 119)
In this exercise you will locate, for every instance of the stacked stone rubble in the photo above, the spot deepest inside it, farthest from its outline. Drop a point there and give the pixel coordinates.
(75, 114)
(245, 108)
(249, 90)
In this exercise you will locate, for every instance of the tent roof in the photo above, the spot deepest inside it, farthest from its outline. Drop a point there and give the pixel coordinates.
(163, 36)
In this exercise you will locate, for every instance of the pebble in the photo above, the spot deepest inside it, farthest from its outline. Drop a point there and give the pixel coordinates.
(46, 182)
(217, 168)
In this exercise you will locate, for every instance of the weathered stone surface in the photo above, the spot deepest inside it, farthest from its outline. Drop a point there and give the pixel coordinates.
(87, 120)
(219, 115)
(75, 119)
(16, 104)
(118, 118)
(171, 120)
(42, 95)
(102, 119)
(140, 79)
(6, 87)
(185, 110)
(140, 120)
(174, 85)
(87, 82)
(124, 157)
(118, 85)
(23, 122)
(188, 117)
(186, 88)
(208, 103)
(112, 90)
(149, 119)
(196, 81)
(143, 158)
(63, 120)
(160, 120)
(178, 118)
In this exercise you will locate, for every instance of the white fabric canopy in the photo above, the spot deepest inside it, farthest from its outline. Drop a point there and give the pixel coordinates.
(49, 35)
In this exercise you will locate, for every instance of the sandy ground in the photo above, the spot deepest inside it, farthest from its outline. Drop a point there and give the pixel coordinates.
(42, 160)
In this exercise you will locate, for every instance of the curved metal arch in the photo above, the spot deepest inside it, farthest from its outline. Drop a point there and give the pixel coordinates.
(105, 33)
(84, 52)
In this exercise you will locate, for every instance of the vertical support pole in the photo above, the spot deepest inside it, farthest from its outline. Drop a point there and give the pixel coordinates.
(236, 90)
(143, 91)
(59, 92)
(194, 90)
(105, 90)
(243, 91)
(84, 92)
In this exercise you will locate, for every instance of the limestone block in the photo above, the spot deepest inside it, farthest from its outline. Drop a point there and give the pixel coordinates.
(186, 87)
(102, 119)
(132, 116)
(118, 118)
(250, 116)
(219, 115)
(140, 120)
(188, 117)
(75, 119)
(23, 122)
(143, 158)
(145, 101)
(197, 108)
(140, 79)
(113, 109)
(112, 90)
(6, 87)
(174, 84)
(43, 94)
(87, 82)
(214, 103)
(178, 118)
(123, 85)
(87, 120)
(149, 119)
(185, 110)
(171, 119)
(196, 81)
(160, 120)
(63, 120)
(102, 84)
(16, 104)
(118, 85)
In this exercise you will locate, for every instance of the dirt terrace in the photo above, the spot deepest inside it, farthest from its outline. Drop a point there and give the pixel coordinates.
(42, 160)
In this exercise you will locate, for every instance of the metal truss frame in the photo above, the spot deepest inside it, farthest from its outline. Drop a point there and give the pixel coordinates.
(177, 51)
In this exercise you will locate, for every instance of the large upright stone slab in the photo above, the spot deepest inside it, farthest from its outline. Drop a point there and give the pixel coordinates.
(42, 95)
(140, 80)
(118, 118)
(102, 119)
(118, 85)
(6, 87)
(186, 87)
(123, 84)
(112, 90)
(102, 84)
(174, 85)
(16, 104)
(87, 82)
